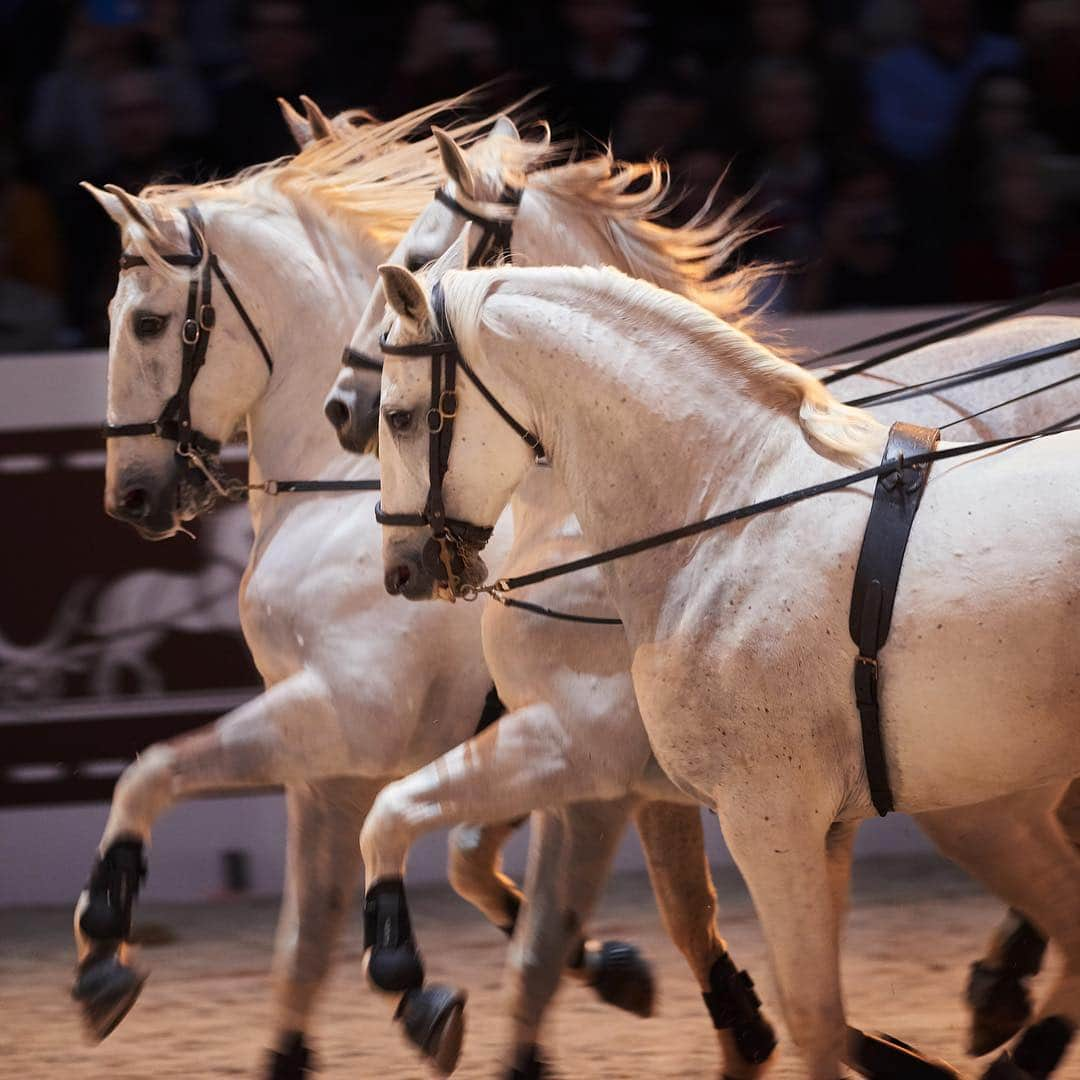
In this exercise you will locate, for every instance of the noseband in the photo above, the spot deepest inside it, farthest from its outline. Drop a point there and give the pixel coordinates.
(451, 539)
(174, 420)
(494, 244)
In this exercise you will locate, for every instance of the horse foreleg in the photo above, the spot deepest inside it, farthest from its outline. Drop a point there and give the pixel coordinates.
(674, 844)
(285, 735)
(1017, 847)
(569, 861)
(321, 875)
(782, 856)
(530, 760)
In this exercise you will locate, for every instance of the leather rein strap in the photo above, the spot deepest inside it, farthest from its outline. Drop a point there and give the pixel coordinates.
(896, 498)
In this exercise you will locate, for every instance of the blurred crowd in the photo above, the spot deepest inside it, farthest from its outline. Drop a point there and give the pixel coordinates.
(904, 151)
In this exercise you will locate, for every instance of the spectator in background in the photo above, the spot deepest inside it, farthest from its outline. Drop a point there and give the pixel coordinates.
(864, 260)
(1027, 242)
(279, 61)
(1051, 35)
(108, 37)
(445, 51)
(787, 159)
(30, 259)
(917, 91)
(603, 57)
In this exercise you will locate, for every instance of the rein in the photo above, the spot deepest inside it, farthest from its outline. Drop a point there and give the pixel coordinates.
(941, 328)
(892, 466)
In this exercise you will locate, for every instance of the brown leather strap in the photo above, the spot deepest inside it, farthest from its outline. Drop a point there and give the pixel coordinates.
(896, 498)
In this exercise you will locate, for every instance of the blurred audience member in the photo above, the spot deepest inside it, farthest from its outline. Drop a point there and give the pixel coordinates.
(107, 37)
(863, 260)
(787, 160)
(604, 57)
(445, 51)
(1027, 242)
(280, 60)
(916, 92)
(31, 316)
(1051, 34)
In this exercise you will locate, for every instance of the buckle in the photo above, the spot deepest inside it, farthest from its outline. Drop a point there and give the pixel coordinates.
(446, 409)
(207, 317)
(189, 332)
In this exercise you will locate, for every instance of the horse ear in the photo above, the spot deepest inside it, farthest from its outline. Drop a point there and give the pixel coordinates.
(298, 127)
(506, 128)
(404, 293)
(108, 202)
(453, 159)
(321, 127)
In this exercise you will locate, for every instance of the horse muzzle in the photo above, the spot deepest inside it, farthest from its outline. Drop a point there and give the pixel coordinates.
(354, 416)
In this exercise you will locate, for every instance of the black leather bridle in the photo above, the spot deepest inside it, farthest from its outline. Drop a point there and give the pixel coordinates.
(174, 420)
(446, 553)
(496, 235)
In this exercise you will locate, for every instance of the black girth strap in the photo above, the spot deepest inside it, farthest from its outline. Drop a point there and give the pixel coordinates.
(896, 498)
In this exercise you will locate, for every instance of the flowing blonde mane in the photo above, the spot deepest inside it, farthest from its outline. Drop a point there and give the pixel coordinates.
(623, 201)
(832, 428)
(376, 177)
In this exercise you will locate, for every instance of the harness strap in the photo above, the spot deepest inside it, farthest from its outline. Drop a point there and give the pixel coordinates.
(741, 513)
(877, 575)
(981, 317)
(983, 371)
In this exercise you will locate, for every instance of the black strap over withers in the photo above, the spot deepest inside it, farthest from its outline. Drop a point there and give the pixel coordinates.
(896, 498)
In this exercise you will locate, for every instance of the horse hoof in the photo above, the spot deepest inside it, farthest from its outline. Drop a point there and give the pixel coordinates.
(755, 1040)
(624, 979)
(395, 969)
(1004, 1068)
(1000, 1007)
(434, 1020)
(884, 1057)
(528, 1066)
(293, 1062)
(106, 989)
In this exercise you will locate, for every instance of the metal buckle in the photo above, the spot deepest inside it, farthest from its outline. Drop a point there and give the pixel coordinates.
(207, 317)
(189, 332)
(442, 411)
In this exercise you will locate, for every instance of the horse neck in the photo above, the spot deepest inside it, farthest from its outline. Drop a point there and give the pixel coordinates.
(310, 284)
(646, 430)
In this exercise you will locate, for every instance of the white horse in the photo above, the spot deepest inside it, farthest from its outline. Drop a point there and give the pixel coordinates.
(741, 663)
(593, 211)
(359, 690)
(554, 752)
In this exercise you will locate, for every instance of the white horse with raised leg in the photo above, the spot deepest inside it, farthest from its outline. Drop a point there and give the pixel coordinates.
(543, 758)
(356, 685)
(567, 685)
(654, 413)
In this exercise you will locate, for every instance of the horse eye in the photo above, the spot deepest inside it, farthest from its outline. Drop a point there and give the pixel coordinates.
(147, 326)
(399, 419)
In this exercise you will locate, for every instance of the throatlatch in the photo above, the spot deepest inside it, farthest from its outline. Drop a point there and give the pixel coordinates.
(896, 498)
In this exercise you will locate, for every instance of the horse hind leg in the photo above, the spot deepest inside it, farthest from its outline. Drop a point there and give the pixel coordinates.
(1017, 847)
(997, 989)
(673, 840)
(321, 877)
(475, 872)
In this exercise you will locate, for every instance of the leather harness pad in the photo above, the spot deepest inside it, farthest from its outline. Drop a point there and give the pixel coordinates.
(896, 498)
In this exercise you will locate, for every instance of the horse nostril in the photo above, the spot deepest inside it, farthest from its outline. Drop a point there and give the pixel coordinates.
(135, 503)
(396, 578)
(337, 412)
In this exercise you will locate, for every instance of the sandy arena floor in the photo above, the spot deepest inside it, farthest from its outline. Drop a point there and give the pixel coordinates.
(915, 926)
